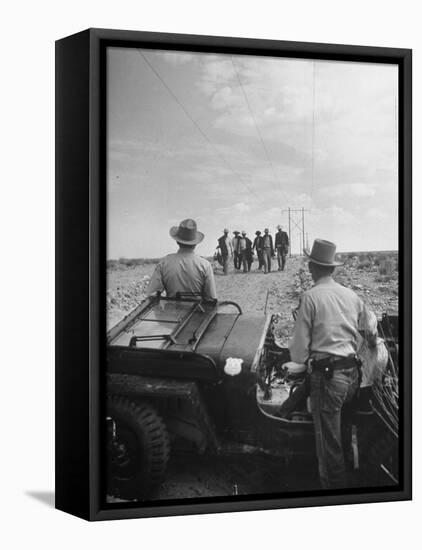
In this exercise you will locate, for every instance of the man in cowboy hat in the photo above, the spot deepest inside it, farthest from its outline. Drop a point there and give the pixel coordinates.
(184, 271)
(326, 338)
(236, 253)
(282, 247)
(267, 250)
(226, 249)
(245, 252)
(257, 245)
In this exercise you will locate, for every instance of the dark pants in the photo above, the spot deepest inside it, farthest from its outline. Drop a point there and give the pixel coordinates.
(236, 260)
(328, 396)
(225, 258)
(260, 259)
(244, 260)
(281, 257)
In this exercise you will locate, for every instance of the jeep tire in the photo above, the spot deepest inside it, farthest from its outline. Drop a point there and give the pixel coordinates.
(138, 448)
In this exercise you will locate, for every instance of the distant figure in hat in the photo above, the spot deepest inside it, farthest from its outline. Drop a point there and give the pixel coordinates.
(257, 245)
(282, 247)
(245, 252)
(184, 271)
(226, 249)
(236, 253)
(267, 250)
(326, 338)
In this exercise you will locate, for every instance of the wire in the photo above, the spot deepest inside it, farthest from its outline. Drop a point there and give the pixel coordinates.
(203, 134)
(256, 125)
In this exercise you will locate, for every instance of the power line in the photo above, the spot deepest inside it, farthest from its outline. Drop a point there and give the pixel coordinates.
(204, 135)
(256, 125)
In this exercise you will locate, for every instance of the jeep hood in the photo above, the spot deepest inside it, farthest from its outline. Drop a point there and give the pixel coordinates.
(237, 336)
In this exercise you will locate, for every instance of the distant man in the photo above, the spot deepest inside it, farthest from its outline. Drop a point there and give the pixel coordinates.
(235, 246)
(184, 271)
(245, 252)
(226, 249)
(267, 250)
(257, 245)
(281, 246)
(326, 339)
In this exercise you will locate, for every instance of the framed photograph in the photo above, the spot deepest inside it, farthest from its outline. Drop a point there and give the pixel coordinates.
(233, 274)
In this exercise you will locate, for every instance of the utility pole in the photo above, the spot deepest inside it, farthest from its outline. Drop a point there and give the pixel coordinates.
(297, 222)
(290, 232)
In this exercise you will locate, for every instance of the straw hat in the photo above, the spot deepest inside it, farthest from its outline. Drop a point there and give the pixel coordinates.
(186, 233)
(323, 253)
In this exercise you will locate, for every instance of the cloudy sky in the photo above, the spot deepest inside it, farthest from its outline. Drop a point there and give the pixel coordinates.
(231, 141)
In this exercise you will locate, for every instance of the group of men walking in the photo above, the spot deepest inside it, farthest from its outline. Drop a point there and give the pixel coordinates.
(242, 249)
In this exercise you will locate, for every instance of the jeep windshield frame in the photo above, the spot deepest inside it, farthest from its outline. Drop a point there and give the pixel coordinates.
(158, 320)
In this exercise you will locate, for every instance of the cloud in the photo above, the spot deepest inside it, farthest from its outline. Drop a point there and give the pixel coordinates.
(333, 215)
(374, 213)
(177, 58)
(242, 207)
(349, 189)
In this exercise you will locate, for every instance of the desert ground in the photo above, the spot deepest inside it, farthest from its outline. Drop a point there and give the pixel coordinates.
(374, 276)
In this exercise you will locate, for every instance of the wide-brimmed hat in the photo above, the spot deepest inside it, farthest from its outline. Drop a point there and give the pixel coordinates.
(257, 232)
(236, 232)
(186, 233)
(323, 253)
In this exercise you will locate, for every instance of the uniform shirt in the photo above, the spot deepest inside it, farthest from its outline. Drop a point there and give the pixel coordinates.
(183, 271)
(328, 321)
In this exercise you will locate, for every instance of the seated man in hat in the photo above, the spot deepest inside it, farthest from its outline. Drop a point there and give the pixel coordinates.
(326, 338)
(184, 271)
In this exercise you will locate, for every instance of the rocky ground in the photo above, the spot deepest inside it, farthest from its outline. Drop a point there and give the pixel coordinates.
(276, 292)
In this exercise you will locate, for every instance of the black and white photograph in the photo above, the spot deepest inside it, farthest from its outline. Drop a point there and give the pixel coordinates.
(252, 285)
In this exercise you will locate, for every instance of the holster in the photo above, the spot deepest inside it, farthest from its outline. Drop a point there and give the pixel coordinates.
(328, 365)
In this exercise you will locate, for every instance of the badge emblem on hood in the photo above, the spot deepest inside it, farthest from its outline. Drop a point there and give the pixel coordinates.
(233, 366)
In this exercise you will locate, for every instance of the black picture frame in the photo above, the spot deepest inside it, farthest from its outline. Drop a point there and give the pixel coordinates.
(81, 260)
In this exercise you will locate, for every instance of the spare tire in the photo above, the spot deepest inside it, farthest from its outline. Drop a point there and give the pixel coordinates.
(138, 448)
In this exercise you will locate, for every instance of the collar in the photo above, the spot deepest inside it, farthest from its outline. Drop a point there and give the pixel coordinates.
(186, 251)
(327, 280)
